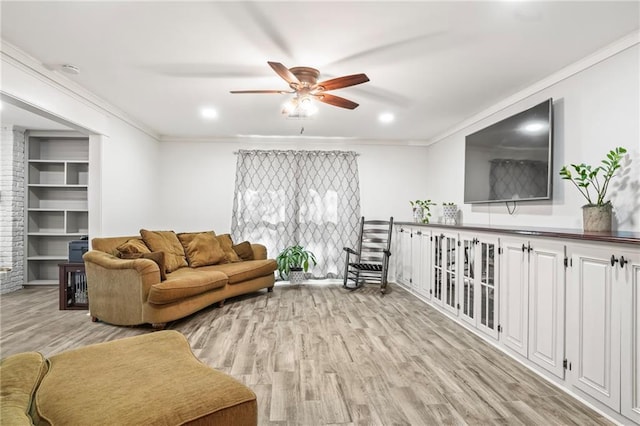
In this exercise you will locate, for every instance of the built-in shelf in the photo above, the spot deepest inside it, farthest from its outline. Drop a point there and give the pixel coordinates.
(42, 282)
(57, 168)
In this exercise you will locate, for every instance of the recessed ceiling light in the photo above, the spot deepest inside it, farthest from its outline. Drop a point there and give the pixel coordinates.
(70, 69)
(386, 117)
(209, 113)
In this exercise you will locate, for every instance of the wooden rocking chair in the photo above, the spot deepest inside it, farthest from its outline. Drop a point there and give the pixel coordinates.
(370, 262)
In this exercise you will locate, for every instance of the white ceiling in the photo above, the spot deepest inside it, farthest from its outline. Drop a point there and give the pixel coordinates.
(432, 64)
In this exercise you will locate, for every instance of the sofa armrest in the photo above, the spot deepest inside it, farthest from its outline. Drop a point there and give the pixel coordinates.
(118, 288)
(259, 251)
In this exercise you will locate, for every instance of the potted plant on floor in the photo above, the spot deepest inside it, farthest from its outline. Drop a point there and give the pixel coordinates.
(293, 261)
(596, 214)
(421, 210)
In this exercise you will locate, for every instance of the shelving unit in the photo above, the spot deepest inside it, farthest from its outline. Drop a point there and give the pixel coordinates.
(57, 176)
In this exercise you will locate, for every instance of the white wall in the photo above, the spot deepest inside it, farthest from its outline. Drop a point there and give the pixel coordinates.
(198, 179)
(595, 111)
(124, 169)
(131, 191)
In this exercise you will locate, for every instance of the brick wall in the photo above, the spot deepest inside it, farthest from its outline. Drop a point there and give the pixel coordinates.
(12, 161)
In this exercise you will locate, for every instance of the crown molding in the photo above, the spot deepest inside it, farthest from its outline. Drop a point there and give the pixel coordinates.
(35, 68)
(288, 139)
(583, 64)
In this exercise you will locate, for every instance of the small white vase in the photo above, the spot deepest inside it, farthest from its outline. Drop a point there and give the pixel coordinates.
(450, 213)
(418, 214)
(596, 218)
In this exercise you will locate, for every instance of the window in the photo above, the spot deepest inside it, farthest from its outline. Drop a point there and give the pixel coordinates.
(311, 198)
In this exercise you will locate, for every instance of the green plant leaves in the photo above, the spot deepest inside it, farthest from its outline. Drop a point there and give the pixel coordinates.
(589, 177)
(294, 257)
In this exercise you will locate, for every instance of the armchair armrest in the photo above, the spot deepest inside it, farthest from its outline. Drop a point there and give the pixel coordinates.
(118, 288)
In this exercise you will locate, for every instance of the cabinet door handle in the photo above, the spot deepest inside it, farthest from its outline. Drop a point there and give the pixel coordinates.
(613, 260)
(524, 248)
(419, 233)
(623, 261)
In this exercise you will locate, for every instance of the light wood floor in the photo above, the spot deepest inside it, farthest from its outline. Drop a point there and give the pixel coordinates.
(318, 354)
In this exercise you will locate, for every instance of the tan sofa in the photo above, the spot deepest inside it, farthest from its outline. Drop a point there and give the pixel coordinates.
(131, 292)
(153, 379)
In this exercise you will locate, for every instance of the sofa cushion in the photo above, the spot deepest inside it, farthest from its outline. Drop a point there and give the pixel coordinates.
(201, 248)
(21, 374)
(227, 246)
(156, 256)
(243, 271)
(244, 250)
(166, 241)
(185, 282)
(132, 246)
(151, 379)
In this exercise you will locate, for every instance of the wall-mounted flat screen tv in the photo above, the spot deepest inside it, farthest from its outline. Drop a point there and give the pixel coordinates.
(511, 159)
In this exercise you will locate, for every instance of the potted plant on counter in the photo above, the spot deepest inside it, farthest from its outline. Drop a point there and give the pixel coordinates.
(593, 183)
(450, 213)
(293, 261)
(421, 210)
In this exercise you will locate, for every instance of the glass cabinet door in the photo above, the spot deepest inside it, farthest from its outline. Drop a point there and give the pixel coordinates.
(450, 255)
(437, 268)
(468, 259)
(488, 287)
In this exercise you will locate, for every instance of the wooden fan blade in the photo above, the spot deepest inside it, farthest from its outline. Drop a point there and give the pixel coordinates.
(340, 82)
(284, 73)
(336, 101)
(282, 92)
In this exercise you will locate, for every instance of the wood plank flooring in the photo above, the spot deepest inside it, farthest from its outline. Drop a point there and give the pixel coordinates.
(316, 354)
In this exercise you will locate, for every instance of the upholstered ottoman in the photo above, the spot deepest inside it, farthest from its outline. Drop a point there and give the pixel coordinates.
(153, 379)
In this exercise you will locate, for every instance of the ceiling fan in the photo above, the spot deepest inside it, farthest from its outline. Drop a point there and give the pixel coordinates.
(304, 82)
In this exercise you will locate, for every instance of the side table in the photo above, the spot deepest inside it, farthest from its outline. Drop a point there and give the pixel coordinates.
(73, 286)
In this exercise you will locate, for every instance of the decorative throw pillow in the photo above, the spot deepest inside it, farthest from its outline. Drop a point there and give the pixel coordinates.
(166, 241)
(201, 248)
(244, 250)
(156, 256)
(227, 246)
(132, 246)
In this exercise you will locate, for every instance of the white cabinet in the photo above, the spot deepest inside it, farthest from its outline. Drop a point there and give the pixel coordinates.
(514, 306)
(479, 282)
(628, 275)
(547, 305)
(57, 176)
(566, 305)
(403, 256)
(412, 263)
(444, 255)
(532, 285)
(422, 262)
(602, 333)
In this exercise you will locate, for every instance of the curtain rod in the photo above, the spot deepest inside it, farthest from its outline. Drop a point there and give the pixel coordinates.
(316, 152)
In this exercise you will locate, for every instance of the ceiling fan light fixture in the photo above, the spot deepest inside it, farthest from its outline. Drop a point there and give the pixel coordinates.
(300, 107)
(307, 106)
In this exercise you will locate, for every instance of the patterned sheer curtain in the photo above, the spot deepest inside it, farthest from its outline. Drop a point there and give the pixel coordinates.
(311, 198)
